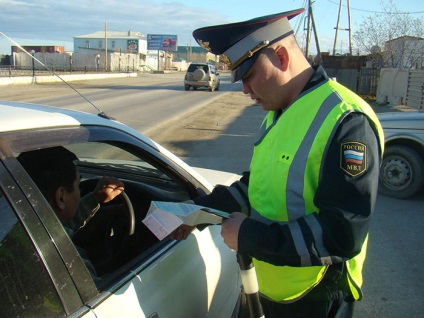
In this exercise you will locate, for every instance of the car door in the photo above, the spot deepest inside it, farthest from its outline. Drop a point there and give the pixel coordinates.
(34, 279)
(196, 277)
(191, 278)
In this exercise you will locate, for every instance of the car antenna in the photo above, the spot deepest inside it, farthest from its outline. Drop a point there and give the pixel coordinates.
(101, 113)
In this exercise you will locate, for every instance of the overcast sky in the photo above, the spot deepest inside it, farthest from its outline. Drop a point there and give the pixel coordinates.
(49, 22)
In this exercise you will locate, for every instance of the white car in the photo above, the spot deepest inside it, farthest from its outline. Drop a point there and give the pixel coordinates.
(42, 274)
(402, 169)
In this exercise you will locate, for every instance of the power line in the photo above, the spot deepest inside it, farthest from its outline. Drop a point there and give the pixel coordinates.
(370, 11)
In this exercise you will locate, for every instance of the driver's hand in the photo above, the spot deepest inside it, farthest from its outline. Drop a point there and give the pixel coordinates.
(181, 232)
(107, 189)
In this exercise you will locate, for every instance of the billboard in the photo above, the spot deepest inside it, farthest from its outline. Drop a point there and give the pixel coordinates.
(132, 46)
(162, 42)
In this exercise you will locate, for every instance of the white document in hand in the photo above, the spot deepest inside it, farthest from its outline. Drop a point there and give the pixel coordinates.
(164, 217)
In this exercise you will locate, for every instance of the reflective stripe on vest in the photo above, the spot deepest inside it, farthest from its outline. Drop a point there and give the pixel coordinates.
(293, 149)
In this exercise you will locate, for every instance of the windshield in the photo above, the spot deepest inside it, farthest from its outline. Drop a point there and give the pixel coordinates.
(111, 157)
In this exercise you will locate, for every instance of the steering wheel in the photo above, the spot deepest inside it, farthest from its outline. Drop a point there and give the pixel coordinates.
(107, 237)
(126, 200)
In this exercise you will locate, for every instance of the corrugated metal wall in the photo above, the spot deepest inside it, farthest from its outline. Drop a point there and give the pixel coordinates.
(415, 92)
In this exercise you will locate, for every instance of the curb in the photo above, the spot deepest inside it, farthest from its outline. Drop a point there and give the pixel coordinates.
(60, 78)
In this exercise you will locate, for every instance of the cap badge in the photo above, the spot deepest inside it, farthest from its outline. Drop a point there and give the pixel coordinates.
(223, 58)
(204, 45)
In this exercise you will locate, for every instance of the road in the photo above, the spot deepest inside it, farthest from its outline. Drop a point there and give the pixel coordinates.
(142, 103)
(217, 130)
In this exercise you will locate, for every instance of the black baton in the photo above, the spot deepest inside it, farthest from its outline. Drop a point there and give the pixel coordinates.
(250, 285)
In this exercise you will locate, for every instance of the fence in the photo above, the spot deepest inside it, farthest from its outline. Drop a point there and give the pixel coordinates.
(415, 92)
(401, 86)
(368, 81)
(24, 64)
(363, 81)
(394, 86)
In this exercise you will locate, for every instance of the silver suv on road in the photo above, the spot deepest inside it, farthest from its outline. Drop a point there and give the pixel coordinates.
(201, 75)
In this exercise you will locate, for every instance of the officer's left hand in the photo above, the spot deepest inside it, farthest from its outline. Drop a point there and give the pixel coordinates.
(230, 229)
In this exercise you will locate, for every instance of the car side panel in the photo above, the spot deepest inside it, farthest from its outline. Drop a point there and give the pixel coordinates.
(173, 286)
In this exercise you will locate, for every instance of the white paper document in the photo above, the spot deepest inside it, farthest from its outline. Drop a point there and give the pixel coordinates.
(164, 217)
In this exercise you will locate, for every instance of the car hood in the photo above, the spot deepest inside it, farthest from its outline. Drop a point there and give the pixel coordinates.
(402, 120)
(216, 177)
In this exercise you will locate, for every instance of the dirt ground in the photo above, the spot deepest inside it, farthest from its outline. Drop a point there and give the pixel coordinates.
(220, 135)
(205, 123)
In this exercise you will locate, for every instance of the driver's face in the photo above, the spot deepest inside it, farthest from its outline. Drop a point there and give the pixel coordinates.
(71, 200)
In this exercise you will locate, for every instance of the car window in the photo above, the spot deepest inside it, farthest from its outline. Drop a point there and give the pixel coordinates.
(26, 286)
(192, 68)
(108, 156)
(143, 183)
(103, 242)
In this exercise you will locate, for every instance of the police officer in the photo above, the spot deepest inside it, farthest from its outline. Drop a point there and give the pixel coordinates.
(305, 206)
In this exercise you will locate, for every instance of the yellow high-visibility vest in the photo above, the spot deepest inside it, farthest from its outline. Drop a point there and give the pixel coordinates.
(284, 175)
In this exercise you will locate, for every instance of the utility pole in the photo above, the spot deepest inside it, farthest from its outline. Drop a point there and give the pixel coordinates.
(343, 29)
(308, 37)
(191, 52)
(105, 46)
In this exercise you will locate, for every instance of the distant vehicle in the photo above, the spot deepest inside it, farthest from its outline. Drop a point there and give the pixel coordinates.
(402, 170)
(201, 75)
(42, 273)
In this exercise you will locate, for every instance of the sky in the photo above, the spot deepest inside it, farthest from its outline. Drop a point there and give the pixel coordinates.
(56, 22)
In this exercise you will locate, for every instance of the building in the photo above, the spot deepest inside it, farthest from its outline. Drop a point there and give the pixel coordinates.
(193, 54)
(117, 42)
(39, 49)
(404, 52)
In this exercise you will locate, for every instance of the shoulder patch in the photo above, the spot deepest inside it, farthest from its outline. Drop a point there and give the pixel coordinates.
(353, 158)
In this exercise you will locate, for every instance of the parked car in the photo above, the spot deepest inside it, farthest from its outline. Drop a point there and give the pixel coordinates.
(402, 170)
(42, 273)
(201, 75)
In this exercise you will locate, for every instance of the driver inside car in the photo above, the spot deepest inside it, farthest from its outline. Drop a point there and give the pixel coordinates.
(54, 172)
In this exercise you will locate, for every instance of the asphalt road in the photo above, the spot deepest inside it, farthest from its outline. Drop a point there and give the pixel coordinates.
(144, 102)
(217, 130)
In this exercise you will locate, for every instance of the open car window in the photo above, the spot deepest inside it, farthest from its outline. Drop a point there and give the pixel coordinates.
(104, 242)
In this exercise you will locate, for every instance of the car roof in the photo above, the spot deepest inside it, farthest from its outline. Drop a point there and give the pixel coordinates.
(402, 120)
(16, 116)
(21, 116)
